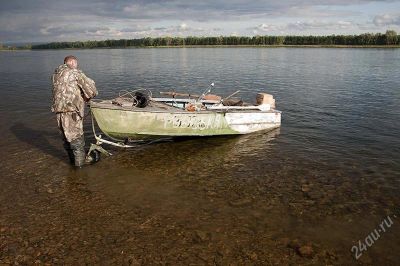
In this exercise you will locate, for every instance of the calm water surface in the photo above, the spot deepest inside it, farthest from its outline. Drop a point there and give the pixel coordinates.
(326, 179)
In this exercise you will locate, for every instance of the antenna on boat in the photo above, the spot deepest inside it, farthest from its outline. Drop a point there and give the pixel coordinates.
(207, 91)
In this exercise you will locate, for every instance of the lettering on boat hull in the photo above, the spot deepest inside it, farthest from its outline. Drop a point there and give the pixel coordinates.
(197, 122)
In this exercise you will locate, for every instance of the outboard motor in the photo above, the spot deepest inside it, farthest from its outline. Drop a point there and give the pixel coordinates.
(265, 98)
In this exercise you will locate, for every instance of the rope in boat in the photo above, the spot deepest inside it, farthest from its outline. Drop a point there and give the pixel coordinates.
(139, 97)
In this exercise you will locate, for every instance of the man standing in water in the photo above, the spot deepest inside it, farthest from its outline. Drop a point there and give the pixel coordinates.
(71, 89)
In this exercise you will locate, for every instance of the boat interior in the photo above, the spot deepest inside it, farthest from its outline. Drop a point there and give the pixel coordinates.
(140, 100)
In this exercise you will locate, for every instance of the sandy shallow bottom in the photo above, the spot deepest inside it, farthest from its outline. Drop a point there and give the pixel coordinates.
(210, 203)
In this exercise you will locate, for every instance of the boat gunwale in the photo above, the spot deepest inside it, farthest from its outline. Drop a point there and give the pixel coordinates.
(99, 105)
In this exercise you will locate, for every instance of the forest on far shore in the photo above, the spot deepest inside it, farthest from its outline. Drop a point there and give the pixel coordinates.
(368, 39)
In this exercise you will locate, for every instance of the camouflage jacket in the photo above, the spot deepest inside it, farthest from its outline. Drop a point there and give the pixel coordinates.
(71, 89)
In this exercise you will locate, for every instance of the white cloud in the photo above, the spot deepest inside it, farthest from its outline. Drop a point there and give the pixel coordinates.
(314, 25)
(302, 26)
(45, 20)
(266, 27)
(387, 19)
(183, 27)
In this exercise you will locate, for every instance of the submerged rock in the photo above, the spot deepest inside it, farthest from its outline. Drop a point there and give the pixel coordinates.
(294, 244)
(240, 202)
(201, 236)
(305, 188)
(314, 195)
(252, 255)
(305, 251)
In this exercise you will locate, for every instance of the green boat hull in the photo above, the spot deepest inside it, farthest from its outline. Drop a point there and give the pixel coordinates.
(122, 124)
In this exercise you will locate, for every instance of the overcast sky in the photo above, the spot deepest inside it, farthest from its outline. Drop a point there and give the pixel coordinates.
(70, 20)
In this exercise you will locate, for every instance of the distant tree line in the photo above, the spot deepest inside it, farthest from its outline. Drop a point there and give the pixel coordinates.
(14, 47)
(388, 38)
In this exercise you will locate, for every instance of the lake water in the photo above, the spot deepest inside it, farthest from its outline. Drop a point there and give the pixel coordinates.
(325, 180)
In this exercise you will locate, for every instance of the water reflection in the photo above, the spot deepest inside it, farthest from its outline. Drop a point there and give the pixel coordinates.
(183, 159)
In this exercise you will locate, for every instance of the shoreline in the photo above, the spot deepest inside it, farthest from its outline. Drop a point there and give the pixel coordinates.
(218, 46)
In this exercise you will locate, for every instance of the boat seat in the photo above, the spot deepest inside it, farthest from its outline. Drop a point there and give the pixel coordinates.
(232, 102)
